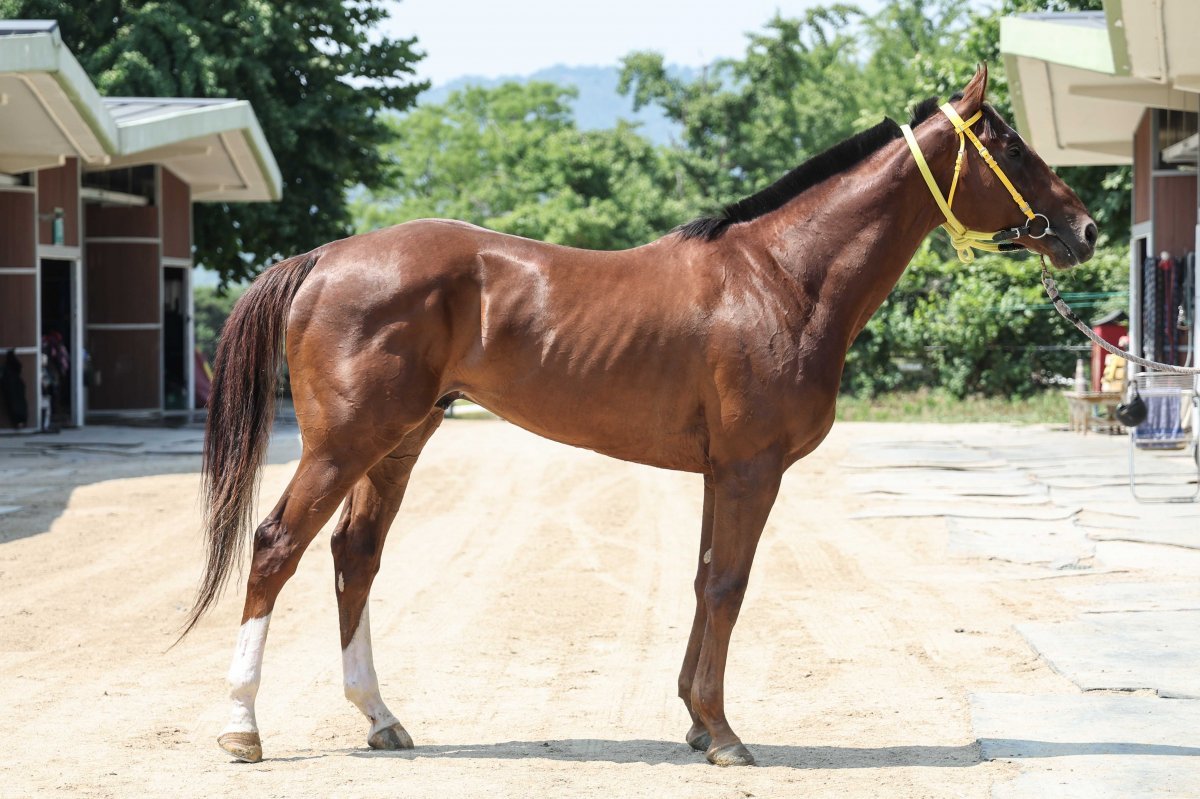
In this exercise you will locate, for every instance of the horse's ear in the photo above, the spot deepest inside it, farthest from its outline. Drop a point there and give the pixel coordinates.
(974, 93)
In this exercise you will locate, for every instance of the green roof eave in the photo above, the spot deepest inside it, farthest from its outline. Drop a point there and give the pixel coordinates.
(1080, 46)
(44, 52)
(236, 116)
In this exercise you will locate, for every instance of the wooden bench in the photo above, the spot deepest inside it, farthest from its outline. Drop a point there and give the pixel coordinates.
(1080, 405)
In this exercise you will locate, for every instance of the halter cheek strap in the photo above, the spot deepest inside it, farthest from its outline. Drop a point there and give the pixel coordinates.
(965, 240)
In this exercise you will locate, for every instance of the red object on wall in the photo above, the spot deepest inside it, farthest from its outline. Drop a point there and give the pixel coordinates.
(1111, 328)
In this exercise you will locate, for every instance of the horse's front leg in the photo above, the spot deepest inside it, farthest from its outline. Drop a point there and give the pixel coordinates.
(698, 737)
(743, 494)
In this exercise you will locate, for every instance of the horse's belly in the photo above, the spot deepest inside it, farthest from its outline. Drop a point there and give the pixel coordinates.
(644, 418)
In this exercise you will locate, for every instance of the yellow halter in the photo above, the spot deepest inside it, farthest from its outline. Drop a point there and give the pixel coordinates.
(965, 241)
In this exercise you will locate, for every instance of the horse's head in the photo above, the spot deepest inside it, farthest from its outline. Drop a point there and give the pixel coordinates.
(984, 203)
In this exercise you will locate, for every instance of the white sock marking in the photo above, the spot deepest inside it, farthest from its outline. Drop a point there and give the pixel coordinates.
(341, 582)
(361, 683)
(245, 672)
(708, 555)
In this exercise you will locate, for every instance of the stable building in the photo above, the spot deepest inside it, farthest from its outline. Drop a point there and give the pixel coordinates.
(96, 199)
(1122, 86)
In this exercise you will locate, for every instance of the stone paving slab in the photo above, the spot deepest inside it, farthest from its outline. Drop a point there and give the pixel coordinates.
(1004, 482)
(941, 496)
(964, 510)
(950, 455)
(1139, 596)
(1131, 508)
(1166, 561)
(1113, 481)
(1186, 539)
(1157, 650)
(1058, 544)
(1072, 746)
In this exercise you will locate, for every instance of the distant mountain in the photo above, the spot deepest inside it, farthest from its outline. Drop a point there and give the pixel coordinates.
(598, 106)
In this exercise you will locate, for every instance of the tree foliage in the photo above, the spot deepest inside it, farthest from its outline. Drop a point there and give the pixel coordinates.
(511, 158)
(212, 308)
(981, 328)
(318, 75)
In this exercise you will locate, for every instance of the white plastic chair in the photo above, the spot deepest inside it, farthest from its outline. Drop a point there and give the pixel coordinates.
(1173, 413)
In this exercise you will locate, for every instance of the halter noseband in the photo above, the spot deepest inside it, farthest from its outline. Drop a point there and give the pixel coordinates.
(966, 241)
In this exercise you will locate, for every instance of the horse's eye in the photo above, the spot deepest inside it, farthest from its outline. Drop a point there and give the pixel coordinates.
(1013, 150)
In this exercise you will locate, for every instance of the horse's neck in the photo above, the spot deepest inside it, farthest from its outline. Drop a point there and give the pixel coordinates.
(851, 239)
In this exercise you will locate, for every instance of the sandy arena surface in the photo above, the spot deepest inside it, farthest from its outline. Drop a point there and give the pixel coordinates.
(529, 620)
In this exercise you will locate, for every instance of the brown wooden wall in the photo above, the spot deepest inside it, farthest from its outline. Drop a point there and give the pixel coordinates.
(129, 365)
(59, 188)
(123, 289)
(18, 292)
(18, 311)
(123, 283)
(18, 247)
(1174, 214)
(1143, 166)
(122, 222)
(176, 201)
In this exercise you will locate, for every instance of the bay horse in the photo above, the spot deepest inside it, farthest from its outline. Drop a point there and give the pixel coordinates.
(717, 349)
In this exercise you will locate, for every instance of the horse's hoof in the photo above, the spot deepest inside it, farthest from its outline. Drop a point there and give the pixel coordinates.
(733, 754)
(698, 738)
(245, 746)
(393, 737)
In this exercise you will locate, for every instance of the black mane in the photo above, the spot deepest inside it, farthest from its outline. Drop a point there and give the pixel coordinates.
(817, 169)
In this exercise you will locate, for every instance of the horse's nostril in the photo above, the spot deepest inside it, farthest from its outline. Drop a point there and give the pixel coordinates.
(1089, 233)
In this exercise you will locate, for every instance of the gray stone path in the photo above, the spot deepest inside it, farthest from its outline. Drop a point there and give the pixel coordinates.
(1156, 650)
(1090, 745)
(1059, 504)
(40, 471)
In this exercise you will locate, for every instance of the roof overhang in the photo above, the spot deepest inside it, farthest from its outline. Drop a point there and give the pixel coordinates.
(49, 111)
(217, 147)
(1080, 81)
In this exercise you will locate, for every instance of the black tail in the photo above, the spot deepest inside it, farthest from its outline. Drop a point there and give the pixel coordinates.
(241, 409)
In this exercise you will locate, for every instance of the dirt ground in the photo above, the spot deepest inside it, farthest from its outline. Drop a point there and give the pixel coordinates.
(529, 620)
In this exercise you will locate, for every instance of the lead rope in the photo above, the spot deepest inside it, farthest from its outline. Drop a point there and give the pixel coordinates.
(1069, 315)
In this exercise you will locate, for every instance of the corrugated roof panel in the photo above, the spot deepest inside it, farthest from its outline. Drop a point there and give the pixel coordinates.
(139, 109)
(16, 27)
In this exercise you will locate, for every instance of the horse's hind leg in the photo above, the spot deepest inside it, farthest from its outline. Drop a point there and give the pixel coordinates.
(357, 546)
(320, 483)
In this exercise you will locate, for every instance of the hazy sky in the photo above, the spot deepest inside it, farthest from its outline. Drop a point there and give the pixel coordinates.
(507, 37)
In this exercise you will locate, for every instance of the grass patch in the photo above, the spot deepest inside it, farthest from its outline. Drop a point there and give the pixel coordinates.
(927, 405)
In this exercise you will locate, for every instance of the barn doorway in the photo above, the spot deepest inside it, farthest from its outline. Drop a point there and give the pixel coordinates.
(174, 331)
(61, 373)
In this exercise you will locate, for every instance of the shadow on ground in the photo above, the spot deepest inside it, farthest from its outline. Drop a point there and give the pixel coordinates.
(40, 472)
(660, 752)
(773, 755)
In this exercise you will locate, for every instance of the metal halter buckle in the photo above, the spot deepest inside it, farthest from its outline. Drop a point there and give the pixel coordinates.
(1017, 232)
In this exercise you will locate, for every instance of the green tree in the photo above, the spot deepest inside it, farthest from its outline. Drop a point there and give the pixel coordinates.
(746, 121)
(318, 74)
(212, 308)
(980, 328)
(512, 159)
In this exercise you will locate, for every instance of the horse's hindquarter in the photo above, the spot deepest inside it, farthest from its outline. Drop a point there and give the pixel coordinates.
(603, 350)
